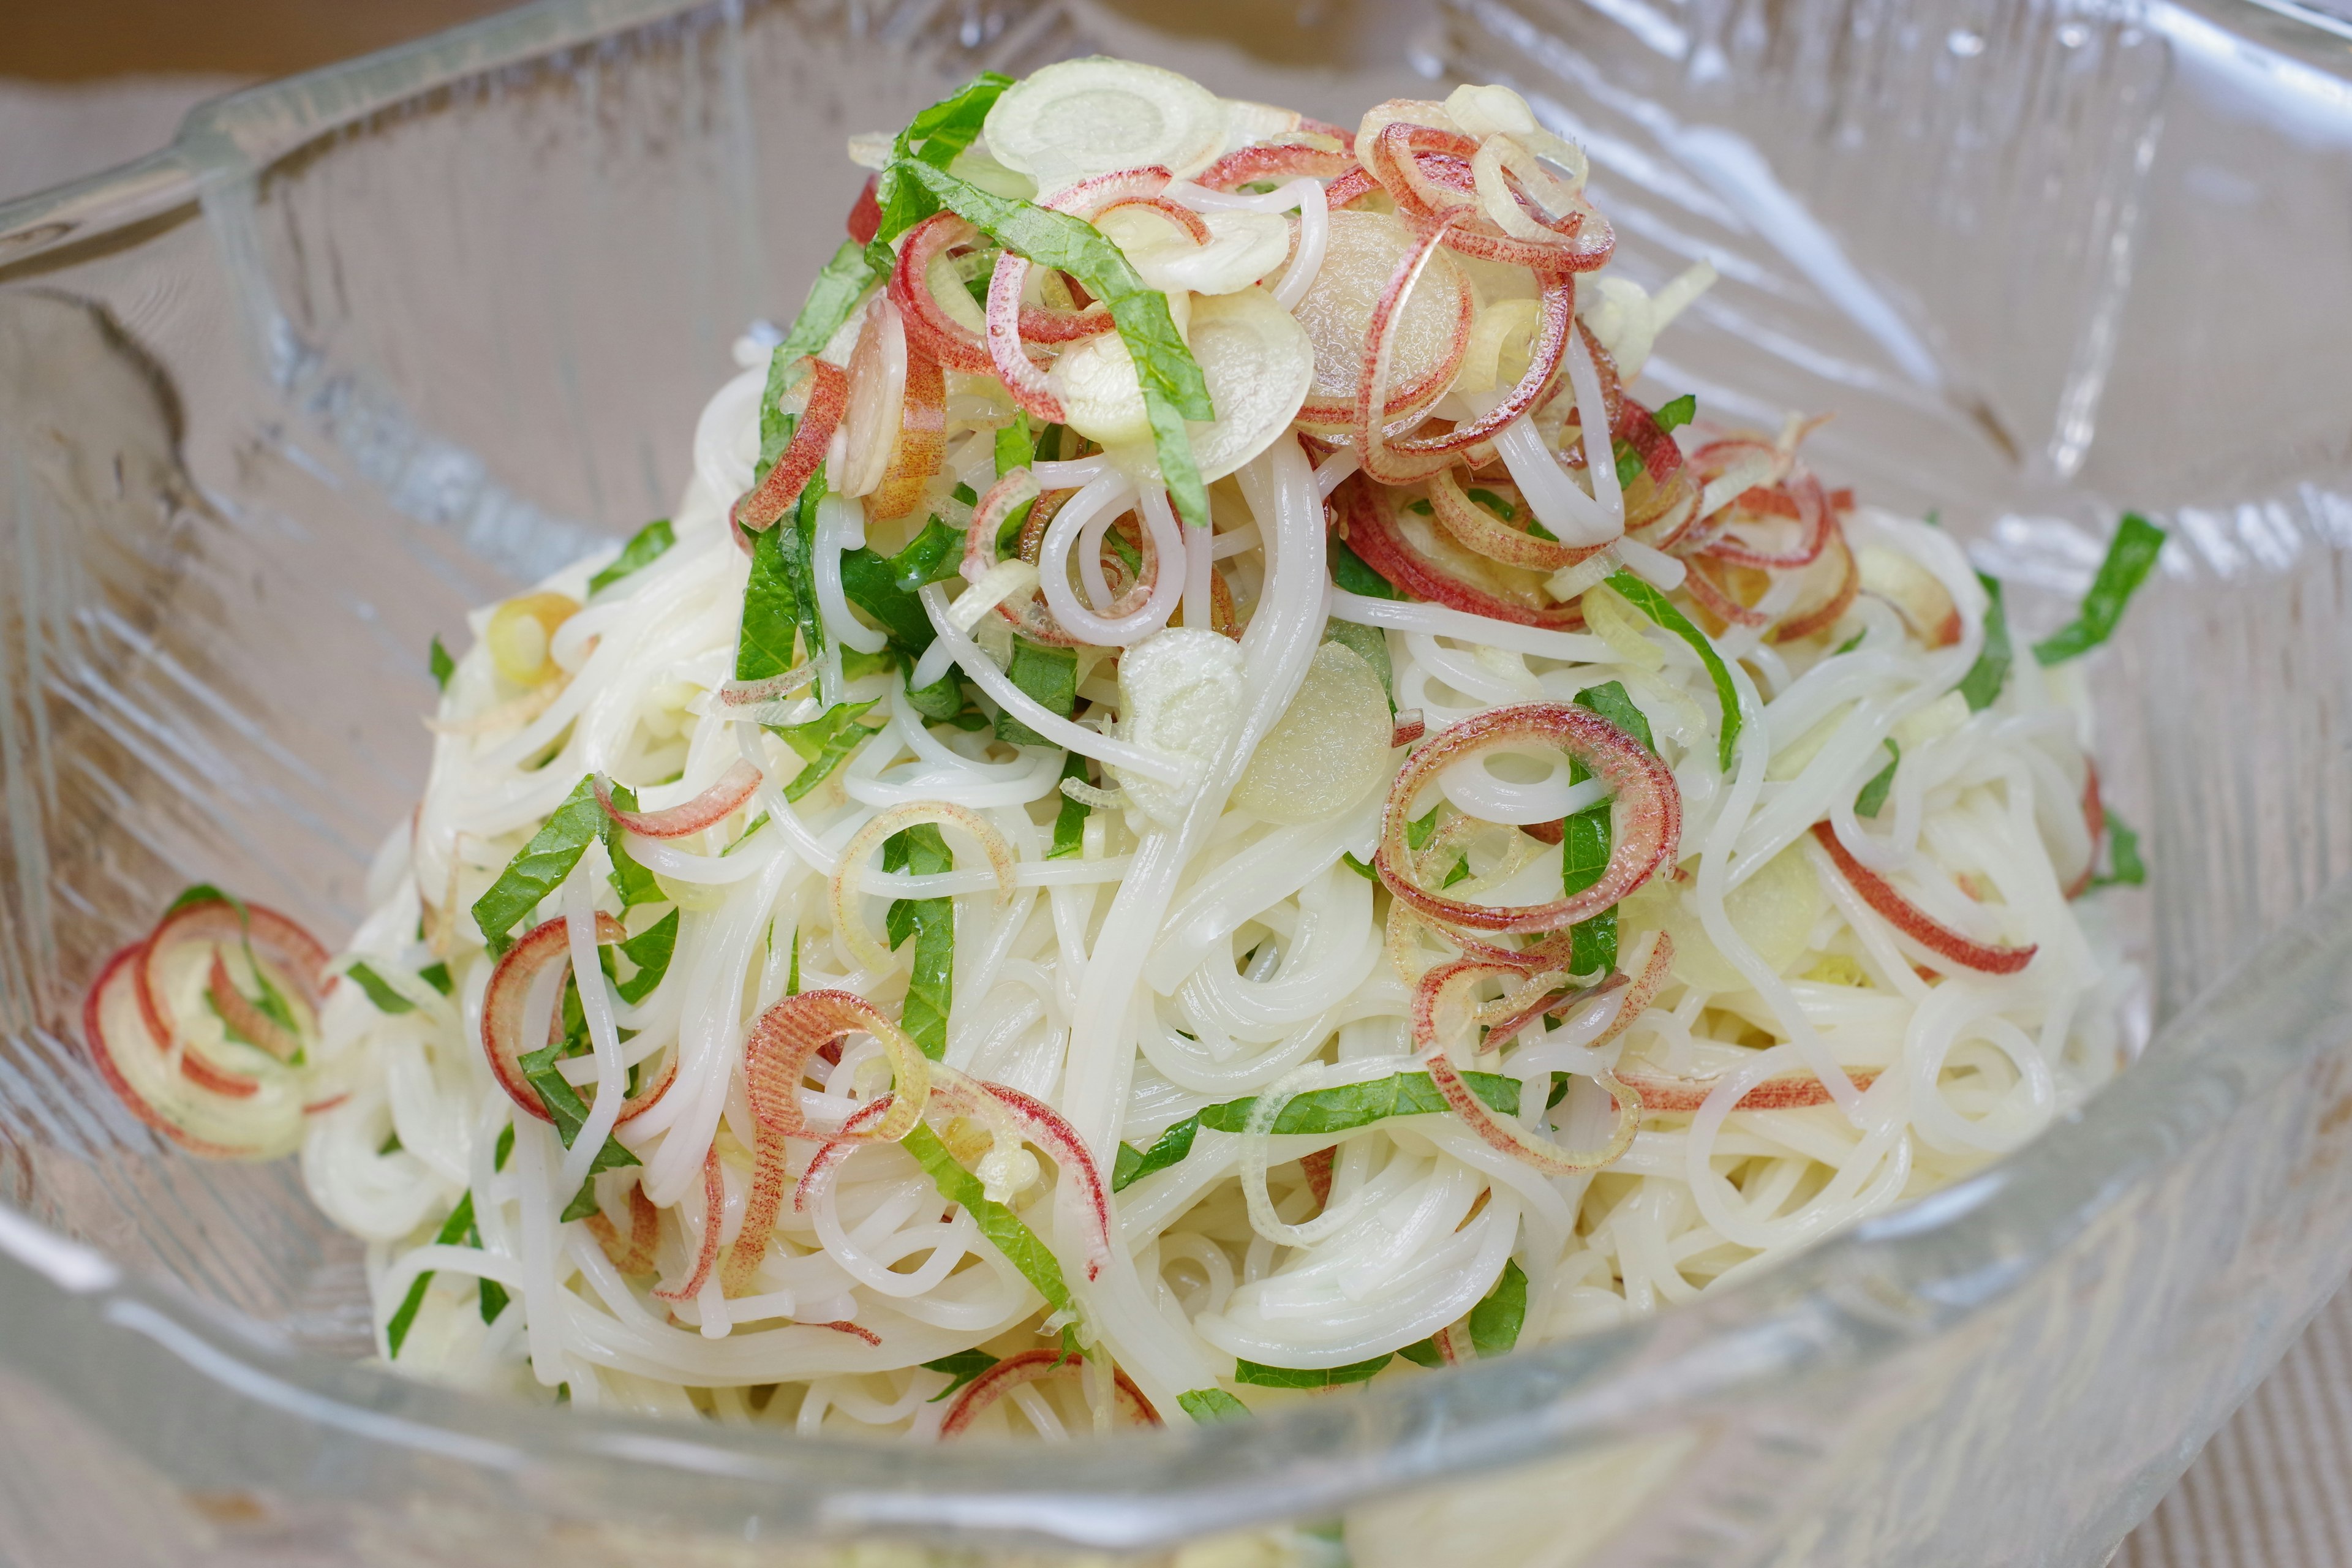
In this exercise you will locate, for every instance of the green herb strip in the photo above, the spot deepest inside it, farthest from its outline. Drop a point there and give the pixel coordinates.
(2131, 555)
(1681, 411)
(1173, 388)
(386, 998)
(1659, 608)
(822, 743)
(887, 588)
(1206, 1404)
(1319, 1111)
(1980, 686)
(2126, 869)
(1873, 793)
(1175, 1143)
(1004, 1229)
(763, 647)
(632, 881)
(454, 1230)
(796, 539)
(1586, 839)
(1050, 676)
(1015, 449)
(961, 1368)
(650, 950)
(644, 548)
(933, 137)
(921, 851)
(1495, 1321)
(1070, 817)
(437, 660)
(1250, 1371)
(1350, 570)
(541, 865)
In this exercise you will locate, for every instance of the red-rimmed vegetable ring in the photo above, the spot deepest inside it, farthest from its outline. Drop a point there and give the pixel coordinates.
(791, 1033)
(826, 397)
(986, 1101)
(282, 953)
(1648, 819)
(502, 1013)
(144, 1072)
(1444, 1011)
(739, 783)
(1421, 559)
(1666, 1094)
(1984, 957)
(1034, 1366)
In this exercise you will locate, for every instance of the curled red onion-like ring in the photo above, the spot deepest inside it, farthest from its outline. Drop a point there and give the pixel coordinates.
(789, 1033)
(1648, 817)
(714, 1220)
(1274, 160)
(1374, 533)
(118, 979)
(294, 953)
(1043, 1125)
(1442, 1009)
(828, 388)
(636, 1254)
(731, 790)
(502, 1014)
(1985, 957)
(1032, 1366)
(1006, 328)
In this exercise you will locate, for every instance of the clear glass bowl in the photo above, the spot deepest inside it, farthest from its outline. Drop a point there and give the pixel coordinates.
(369, 346)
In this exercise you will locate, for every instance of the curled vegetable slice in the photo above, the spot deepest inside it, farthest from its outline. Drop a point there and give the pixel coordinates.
(1043, 1125)
(636, 1254)
(1648, 819)
(290, 952)
(1985, 957)
(246, 1019)
(1480, 530)
(1795, 1092)
(793, 1031)
(1007, 324)
(136, 1065)
(1374, 533)
(825, 398)
(1443, 1012)
(1367, 428)
(1034, 1366)
(1799, 497)
(730, 790)
(1274, 160)
(923, 439)
(829, 1155)
(1836, 582)
(1650, 969)
(714, 1220)
(941, 335)
(851, 924)
(1718, 598)
(502, 1013)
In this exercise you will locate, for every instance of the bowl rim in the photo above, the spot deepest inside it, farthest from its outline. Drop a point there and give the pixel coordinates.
(1857, 1300)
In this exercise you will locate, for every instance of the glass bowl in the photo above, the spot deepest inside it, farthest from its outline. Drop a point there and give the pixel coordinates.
(369, 346)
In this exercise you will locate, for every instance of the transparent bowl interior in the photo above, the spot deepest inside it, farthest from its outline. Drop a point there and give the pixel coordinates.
(369, 348)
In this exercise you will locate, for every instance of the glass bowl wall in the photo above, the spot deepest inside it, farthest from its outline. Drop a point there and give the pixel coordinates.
(373, 345)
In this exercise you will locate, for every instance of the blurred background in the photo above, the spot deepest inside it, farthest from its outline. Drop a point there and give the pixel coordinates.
(91, 83)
